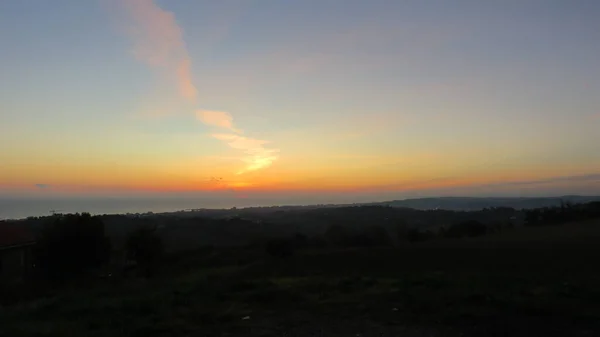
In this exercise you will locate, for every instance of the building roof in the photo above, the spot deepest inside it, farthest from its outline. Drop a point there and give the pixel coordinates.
(14, 235)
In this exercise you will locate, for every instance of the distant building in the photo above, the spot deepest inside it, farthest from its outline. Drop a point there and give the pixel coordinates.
(16, 258)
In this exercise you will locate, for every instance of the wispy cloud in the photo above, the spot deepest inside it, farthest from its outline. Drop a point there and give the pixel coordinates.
(456, 182)
(572, 179)
(186, 87)
(42, 186)
(257, 155)
(217, 118)
(158, 42)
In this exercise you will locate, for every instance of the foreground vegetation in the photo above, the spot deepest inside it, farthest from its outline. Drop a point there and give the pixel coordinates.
(528, 281)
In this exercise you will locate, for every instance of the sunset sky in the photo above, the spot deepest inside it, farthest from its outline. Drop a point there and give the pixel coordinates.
(379, 97)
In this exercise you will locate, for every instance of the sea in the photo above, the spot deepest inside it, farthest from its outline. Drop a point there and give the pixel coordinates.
(20, 208)
(23, 208)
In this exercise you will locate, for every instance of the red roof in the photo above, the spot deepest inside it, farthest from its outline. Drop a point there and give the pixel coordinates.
(14, 235)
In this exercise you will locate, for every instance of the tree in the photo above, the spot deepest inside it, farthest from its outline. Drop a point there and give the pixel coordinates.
(146, 248)
(533, 217)
(70, 244)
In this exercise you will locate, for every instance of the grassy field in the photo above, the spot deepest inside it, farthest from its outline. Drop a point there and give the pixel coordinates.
(524, 282)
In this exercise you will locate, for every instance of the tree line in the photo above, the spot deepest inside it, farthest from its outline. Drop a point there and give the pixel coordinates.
(72, 245)
(351, 235)
(566, 212)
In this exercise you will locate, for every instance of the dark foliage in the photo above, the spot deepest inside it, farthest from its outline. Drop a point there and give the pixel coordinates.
(146, 248)
(414, 235)
(566, 212)
(280, 248)
(71, 244)
(369, 236)
(301, 241)
(336, 235)
(466, 229)
(372, 236)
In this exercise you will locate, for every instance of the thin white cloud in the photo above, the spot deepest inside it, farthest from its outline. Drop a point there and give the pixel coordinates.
(217, 118)
(257, 155)
(158, 42)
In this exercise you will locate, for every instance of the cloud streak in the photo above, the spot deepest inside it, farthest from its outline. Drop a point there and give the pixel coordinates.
(159, 43)
(590, 178)
(217, 118)
(257, 155)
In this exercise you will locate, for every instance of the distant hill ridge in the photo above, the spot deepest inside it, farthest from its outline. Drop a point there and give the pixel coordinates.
(476, 203)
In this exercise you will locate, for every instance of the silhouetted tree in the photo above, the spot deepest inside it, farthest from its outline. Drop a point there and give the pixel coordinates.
(564, 213)
(70, 244)
(146, 248)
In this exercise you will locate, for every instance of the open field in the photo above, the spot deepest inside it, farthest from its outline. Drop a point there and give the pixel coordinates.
(530, 281)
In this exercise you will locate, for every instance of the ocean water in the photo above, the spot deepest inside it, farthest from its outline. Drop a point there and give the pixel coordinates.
(13, 208)
(22, 208)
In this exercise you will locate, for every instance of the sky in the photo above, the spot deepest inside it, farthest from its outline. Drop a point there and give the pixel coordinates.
(346, 97)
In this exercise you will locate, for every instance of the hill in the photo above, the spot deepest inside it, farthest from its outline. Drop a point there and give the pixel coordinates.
(471, 204)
